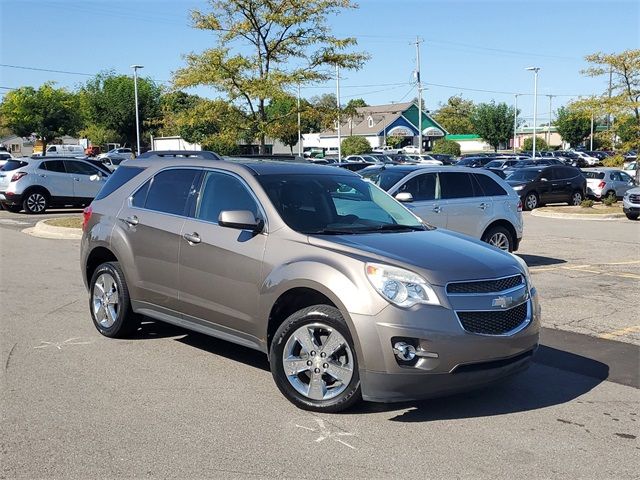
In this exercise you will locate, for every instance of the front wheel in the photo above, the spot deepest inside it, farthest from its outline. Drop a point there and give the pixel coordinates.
(313, 361)
(499, 237)
(632, 216)
(531, 201)
(110, 304)
(576, 199)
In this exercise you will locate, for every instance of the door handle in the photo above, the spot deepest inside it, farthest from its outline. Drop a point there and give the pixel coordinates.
(131, 221)
(192, 238)
(76, 179)
(437, 208)
(483, 206)
(43, 175)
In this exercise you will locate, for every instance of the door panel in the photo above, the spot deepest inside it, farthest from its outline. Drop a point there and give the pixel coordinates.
(219, 276)
(465, 210)
(55, 179)
(87, 181)
(426, 198)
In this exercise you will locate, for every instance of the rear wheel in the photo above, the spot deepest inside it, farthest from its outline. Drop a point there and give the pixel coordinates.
(499, 237)
(576, 199)
(35, 202)
(110, 304)
(313, 361)
(633, 216)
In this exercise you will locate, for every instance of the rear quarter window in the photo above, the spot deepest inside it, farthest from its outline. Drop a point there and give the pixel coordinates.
(489, 186)
(13, 165)
(121, 176)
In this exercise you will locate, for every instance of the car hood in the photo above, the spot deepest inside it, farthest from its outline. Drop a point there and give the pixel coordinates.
(441, 256)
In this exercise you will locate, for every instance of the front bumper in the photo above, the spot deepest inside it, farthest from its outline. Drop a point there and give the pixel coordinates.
(464, 360)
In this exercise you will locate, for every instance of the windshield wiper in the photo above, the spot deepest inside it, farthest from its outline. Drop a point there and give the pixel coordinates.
(394, 227)
(331, 231)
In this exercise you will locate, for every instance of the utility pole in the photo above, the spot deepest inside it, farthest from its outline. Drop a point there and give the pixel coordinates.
(549, 127)
(535, 71)
(515, 122)
(419, 85)
(609, 119)
(591, 137)
(338, 104)
(135, 93)
(299, 126)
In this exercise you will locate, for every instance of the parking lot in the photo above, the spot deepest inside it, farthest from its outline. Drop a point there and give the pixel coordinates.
(174, 404)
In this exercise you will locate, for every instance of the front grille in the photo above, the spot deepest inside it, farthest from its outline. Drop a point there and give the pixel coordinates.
(486, 286)
(495, 322)
(634, 198)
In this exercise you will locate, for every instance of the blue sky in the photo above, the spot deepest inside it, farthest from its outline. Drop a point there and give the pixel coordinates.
(469, 46)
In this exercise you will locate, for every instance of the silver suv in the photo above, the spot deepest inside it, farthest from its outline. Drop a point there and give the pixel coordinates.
(348, 293)
(35, 184)
(472, 201)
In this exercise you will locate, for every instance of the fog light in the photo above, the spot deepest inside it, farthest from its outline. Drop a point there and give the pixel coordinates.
(404, 351)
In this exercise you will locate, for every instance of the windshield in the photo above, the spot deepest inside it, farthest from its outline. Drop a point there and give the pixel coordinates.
(523, 175)
(494, 164)
(383, 177)
(335, 204)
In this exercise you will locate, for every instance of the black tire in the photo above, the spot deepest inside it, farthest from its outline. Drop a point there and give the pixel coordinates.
(531, 201)
(331, 317)
(632, 216)
(500, 237)
(35, 201)
(126, 321)
(12, 208)
(576, 198)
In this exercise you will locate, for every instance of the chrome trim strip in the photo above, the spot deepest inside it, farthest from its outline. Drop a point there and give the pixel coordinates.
(525, 323)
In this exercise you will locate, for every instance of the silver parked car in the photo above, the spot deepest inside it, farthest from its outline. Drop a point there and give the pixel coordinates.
(472, 201)
(348, 293)
(37, 183)
(631, 203)
(605, 182)
(114, 157)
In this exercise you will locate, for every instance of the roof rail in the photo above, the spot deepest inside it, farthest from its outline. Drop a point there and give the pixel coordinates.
(204, 154)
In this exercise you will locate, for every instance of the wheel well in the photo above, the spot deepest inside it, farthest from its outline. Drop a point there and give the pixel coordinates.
(36, 188)
(503, 223)
(97, 257)
(290, 302)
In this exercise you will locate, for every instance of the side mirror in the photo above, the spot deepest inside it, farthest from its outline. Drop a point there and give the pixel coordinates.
(241, 220)
(96, 177)
(404, 197)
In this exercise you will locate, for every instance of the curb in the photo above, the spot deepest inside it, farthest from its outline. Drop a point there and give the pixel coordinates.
(44, 230)
(578, 216)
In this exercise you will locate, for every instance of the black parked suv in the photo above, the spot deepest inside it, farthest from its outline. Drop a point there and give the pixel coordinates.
(553, 184)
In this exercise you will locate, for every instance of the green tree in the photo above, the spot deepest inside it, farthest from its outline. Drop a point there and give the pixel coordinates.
(110, 103)
(290, 42)
(355, 146)
(455, 116)
(573, 125)
(172, 106)
(47, 112)
(351, 111)
(282, 118)
(493, 122)
(448, 147)
(98, 135)
(325, 112)
(527, 145)
(394, 141)
(216, 125)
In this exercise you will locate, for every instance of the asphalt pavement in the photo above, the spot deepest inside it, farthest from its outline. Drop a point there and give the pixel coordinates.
(175, 404)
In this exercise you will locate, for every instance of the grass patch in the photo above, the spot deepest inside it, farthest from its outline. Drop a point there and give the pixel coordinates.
(596, 209)
(67, 222)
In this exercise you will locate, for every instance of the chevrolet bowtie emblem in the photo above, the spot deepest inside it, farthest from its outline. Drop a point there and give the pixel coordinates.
(502, 302)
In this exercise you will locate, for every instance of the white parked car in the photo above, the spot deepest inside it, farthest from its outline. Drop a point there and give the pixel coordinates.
(591, 161)
(425, 159)
(604, 182)
(4, 156)
(472, 201)
(65, 151)
(386, 149)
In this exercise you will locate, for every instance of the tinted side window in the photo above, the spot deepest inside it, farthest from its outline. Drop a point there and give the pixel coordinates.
(456, 185)
(139, 198)
(121, 176)
(53, 166)
(169, 191)
(80, 168)
(421, 187)
(488, 185)
(222, 192)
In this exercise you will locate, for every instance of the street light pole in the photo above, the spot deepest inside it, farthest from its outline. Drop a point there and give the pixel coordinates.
(338, 104)
(135, 90)
(535, 71)
(299, 126)
(549, 126)
(515, 122)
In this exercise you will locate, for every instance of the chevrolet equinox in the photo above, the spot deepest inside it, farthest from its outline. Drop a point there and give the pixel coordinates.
(349, 294)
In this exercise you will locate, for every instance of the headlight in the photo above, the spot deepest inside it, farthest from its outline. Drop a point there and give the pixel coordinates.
(525, 270)
(399, 286)
(518, 188)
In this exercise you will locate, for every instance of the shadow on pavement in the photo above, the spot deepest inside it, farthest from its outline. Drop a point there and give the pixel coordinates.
(539, 261)
(536, 388)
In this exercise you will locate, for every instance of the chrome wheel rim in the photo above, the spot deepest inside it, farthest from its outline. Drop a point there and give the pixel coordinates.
(105, 300)
(532, 201)
(577, 199)
(318, 361)
(499, 240)
(36, 202)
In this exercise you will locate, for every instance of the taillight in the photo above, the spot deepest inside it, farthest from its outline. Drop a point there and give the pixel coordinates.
(17, 176)
(86, 216)
(602, 184)
(519, 205)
